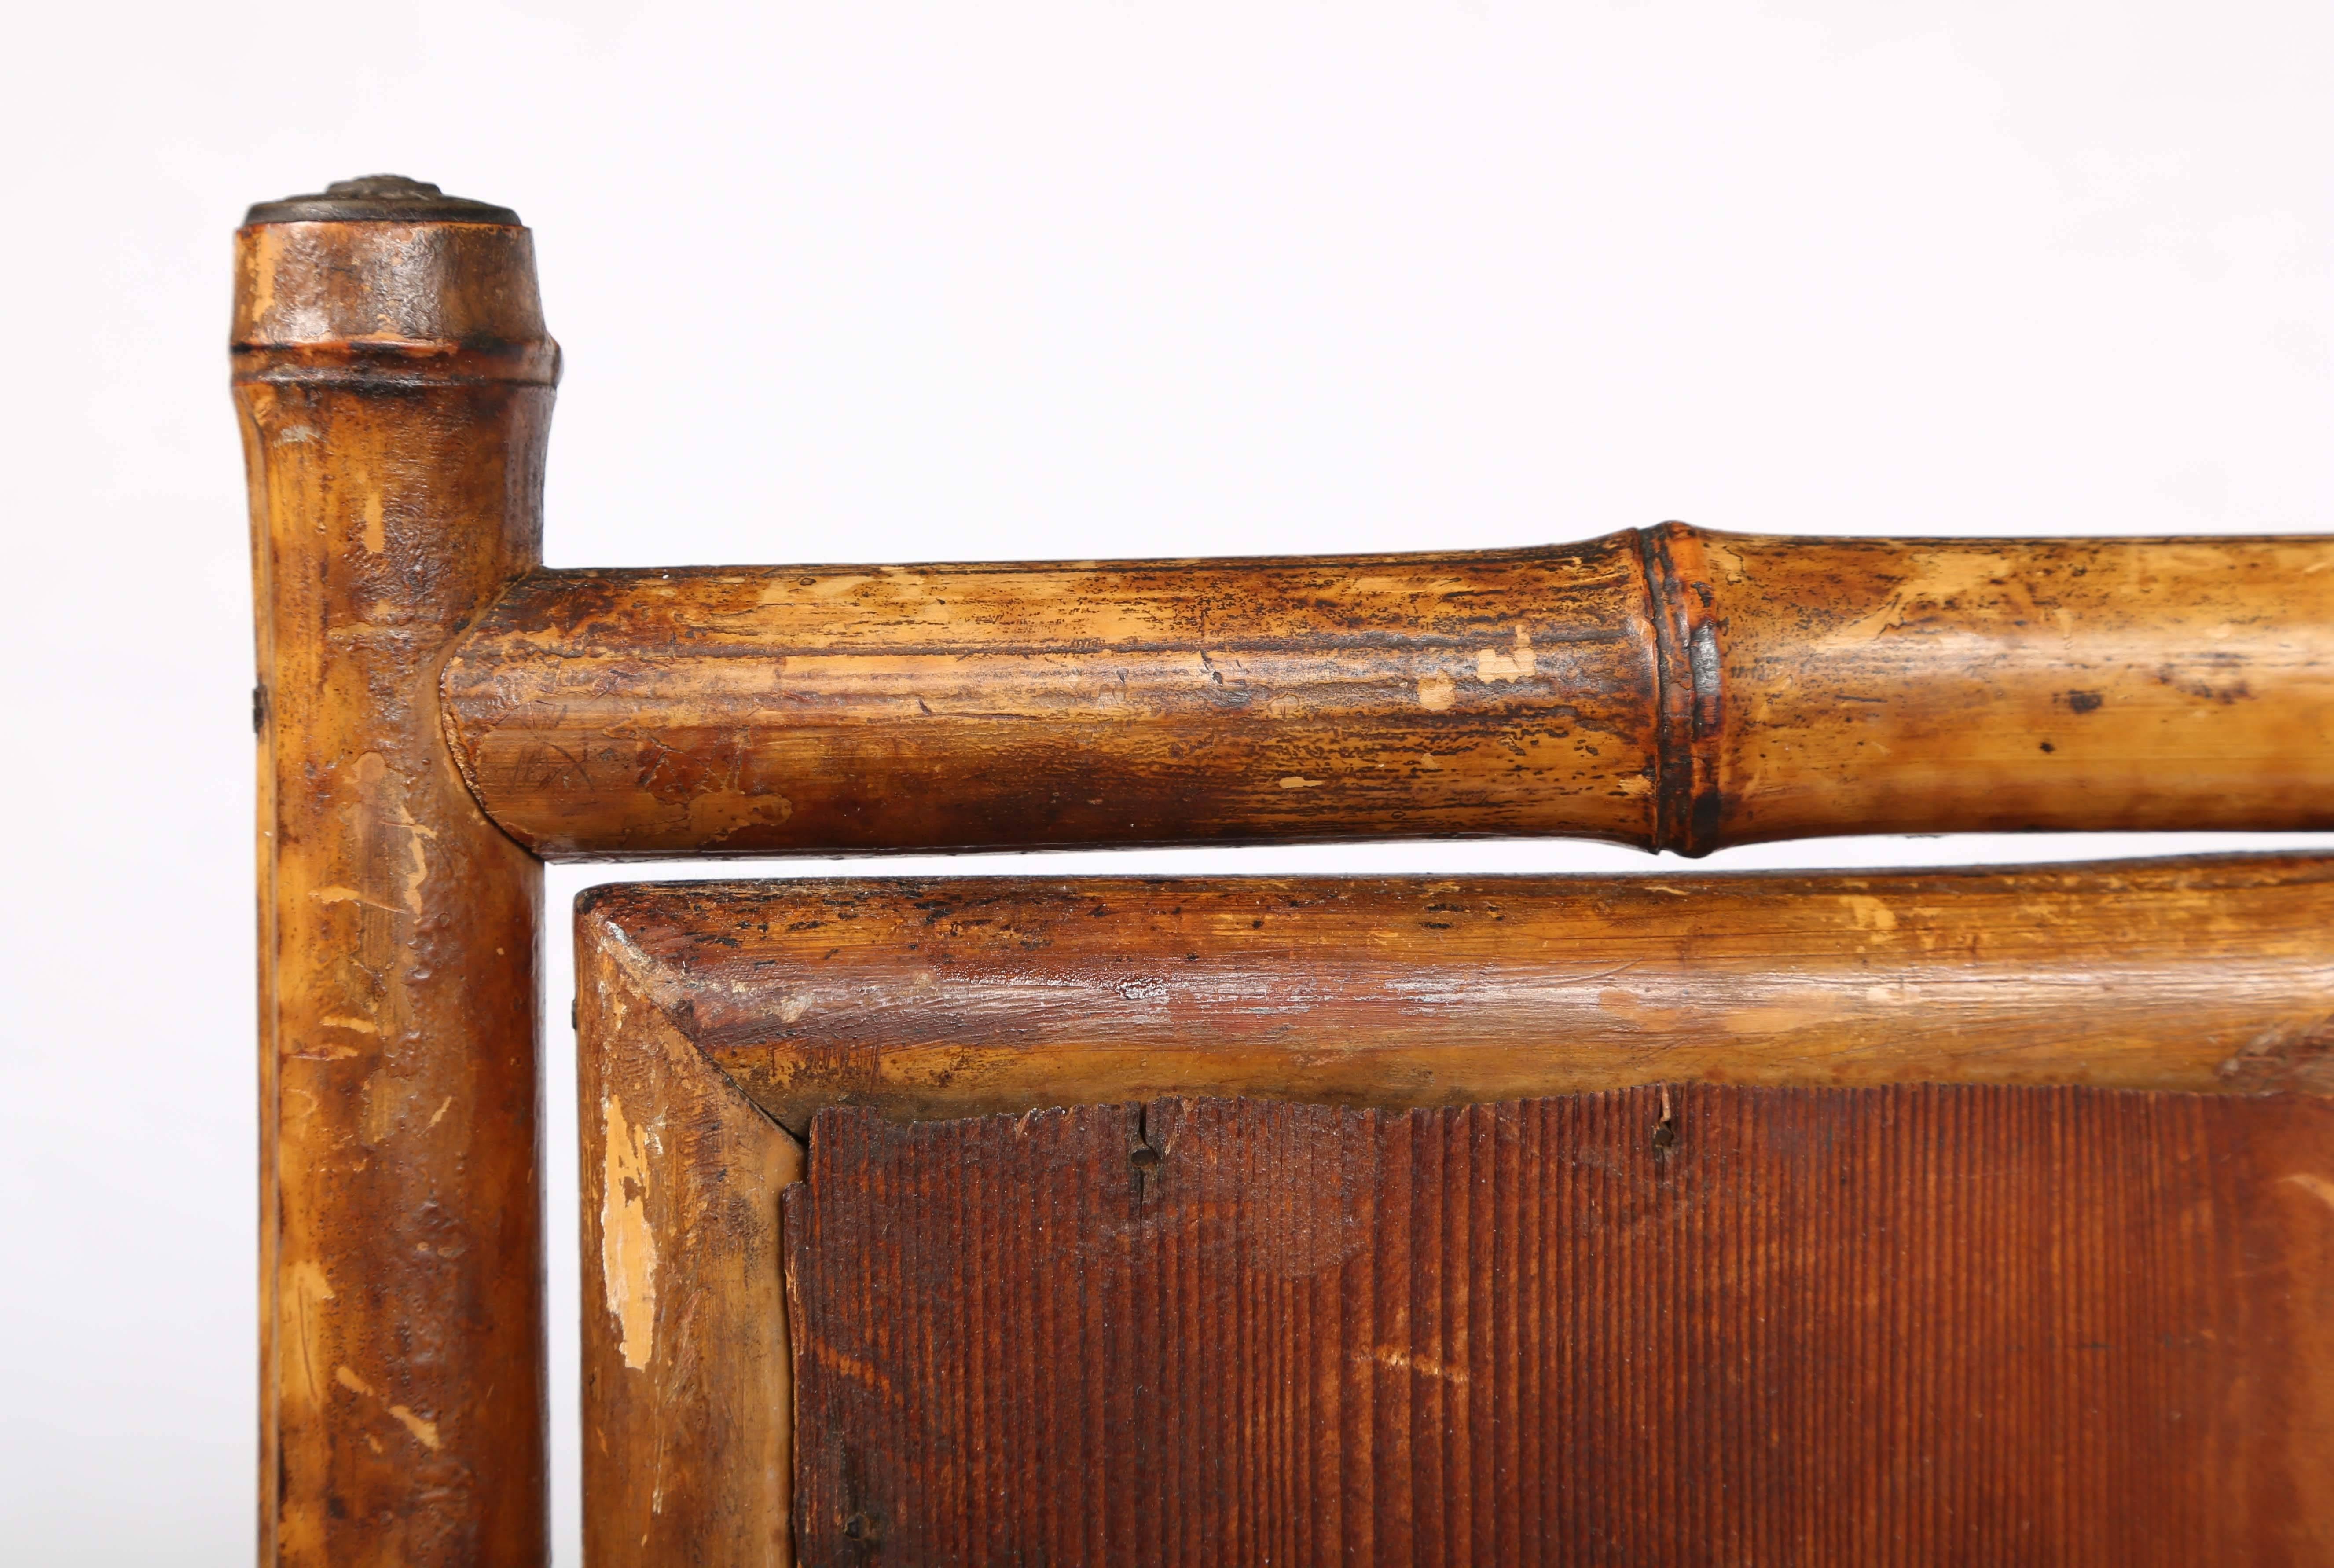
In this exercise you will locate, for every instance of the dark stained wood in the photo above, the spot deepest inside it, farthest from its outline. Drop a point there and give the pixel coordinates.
(1670, 688)
(930, 998)
(688, 1378)
(394, 382)
(1679, 1324)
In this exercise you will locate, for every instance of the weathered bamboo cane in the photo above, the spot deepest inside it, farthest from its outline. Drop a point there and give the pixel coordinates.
(395, 384)
(1670, 688)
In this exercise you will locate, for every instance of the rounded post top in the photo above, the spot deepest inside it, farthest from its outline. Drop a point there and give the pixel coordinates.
(387, 280)
(379, 199)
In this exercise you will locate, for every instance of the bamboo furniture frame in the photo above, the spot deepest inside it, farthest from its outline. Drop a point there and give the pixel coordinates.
(437, 714)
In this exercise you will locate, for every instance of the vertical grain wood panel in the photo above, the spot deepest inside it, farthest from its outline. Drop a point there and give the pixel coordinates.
(394, 382)
(1670, 1324)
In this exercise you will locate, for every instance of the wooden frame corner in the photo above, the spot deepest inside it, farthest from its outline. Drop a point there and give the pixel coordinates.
(688, 1371)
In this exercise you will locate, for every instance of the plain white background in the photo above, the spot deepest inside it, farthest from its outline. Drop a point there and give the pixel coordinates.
(896, 281)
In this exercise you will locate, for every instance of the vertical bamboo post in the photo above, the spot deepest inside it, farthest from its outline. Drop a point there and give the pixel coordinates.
(395, 385)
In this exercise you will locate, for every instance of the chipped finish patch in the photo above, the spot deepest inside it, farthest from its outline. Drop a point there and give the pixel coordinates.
(628, 1251)
(715, 817)
(1395, 1359)
(306, 1290)
(2316, 1185)
(2298, 1056)
(350, 895)
(391, 834)
(1517, 664)
(1869, 913)
(424, 1432)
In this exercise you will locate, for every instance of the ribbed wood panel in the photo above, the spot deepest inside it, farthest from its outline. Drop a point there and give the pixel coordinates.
(1911, 1325)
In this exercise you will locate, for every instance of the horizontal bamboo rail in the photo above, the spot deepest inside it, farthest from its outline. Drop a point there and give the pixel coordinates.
(1670, 688)
(929, 1000)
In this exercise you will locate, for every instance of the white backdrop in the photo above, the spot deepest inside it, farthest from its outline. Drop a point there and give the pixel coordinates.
(913, 282)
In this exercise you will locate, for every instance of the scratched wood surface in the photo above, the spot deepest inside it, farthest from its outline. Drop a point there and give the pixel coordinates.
(940, 997)
(1669, 688)
(686, 1397)
(1689, 1325)
(394, 381)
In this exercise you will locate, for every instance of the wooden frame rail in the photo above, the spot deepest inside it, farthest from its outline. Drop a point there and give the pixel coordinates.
(437, 714)
(955, 996)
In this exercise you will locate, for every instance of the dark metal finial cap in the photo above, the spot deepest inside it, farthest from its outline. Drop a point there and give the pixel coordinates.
(379, 199)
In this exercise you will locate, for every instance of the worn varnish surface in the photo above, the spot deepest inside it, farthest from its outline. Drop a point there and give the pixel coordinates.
(687, 1379)
(744, 712)
(952, 997)
(1877, 686)
(1670, 688)
(395, 384)
(1667, 1325)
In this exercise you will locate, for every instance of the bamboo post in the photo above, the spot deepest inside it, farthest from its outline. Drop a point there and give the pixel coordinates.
(395, 385)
